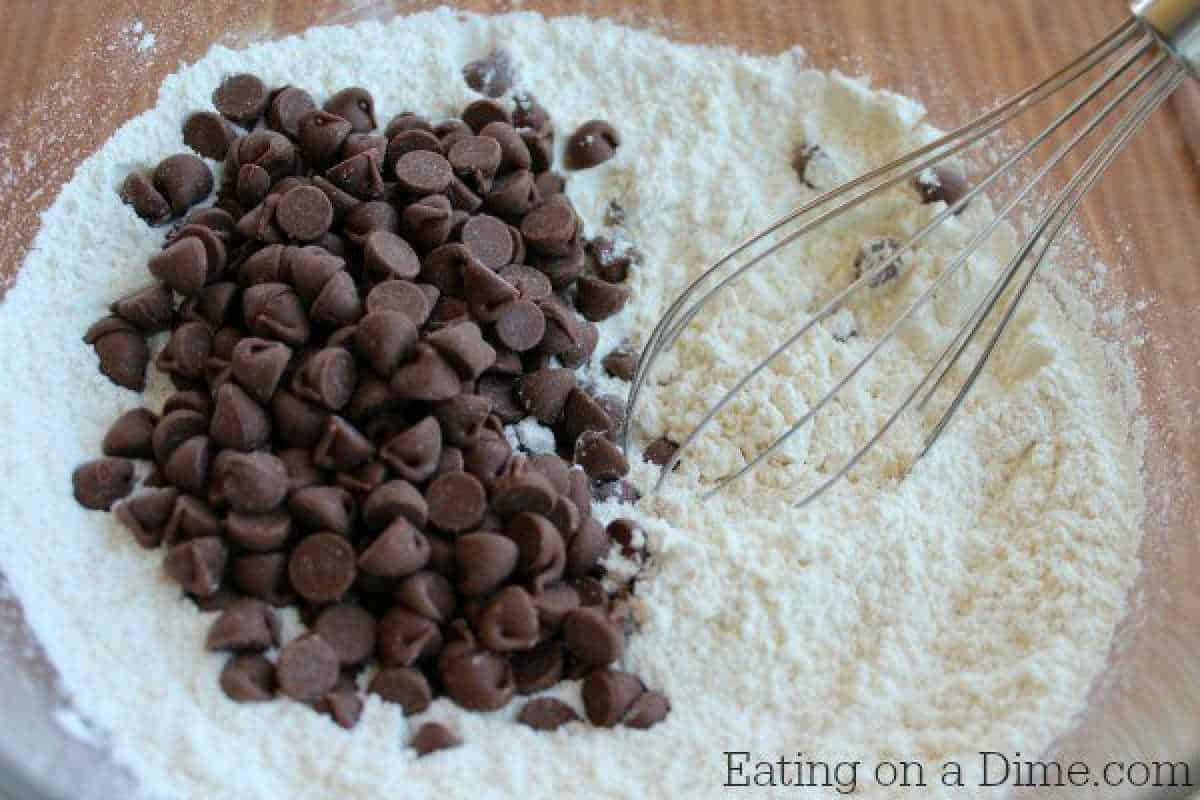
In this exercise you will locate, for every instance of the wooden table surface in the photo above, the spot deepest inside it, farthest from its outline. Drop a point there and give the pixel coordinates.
(72, 71)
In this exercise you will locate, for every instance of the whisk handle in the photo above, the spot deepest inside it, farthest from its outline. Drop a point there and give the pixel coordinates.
(1176, 25)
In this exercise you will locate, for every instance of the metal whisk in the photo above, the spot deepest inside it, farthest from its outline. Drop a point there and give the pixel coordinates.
(1140, 64)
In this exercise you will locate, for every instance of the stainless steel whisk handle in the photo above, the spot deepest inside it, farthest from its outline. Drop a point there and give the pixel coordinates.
(1176, 25)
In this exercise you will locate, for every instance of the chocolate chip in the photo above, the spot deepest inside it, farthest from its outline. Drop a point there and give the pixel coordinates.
(520, 487)
(297, 422)
(356, 106)
(621, 363)
(414, 453)
(246, 626)
(530, 283)
(322, 568)
(409, 141)
(592, 143)
(487, 457)
(462, 418)
(183, 180)
(423, 172)
(358, 176)
(100, 483)
(358, 143)
(598, 300)
(427, 222)
(138, 191)
(540, 547)
(343, 704)
(328, 508)
(320, 136)
(404, 638)
(258, 365)
(364, 218)
(609, 694)
(248, 679)
(429, 594)
(491, 75)
(285, 109)
(456, 501)
(183, 266)
(464, 348)
(550, 228)
(146, 515)
(589, 544)
(547, 714)
(529, 112)
(307, 668)
(349, 630)
(122, 352)
(660, 451)
(647, 711)
(186, 352)
(942, 184)
(327, 378)
(564, 270)
(311, 268)
(462, 199)
(191, 518)
(550, 183)
(386, 256)
(304, 213)
(404, 686)
(482, 112)
(513, 195)
(403, 297)
(592, 638)
(252, 483)
(198, 565)
(520, 325)
(477, 680)
(273, 311)
(208, 134)
(215, 305)
(486, 291)
(544, 393)
(187, 468)
(873, 255)
(260, 533)
(238, 422)
(428, 377)
(264, 576)
(488, 240)
(475, 160)
(392, 500)
(241, 98)
(363, 478)
(485, 560)
(130, 435)
(432, 737)
(600, 458)
(400, 550)
(302, 473)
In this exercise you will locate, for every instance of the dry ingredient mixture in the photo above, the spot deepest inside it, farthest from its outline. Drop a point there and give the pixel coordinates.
(921, 611)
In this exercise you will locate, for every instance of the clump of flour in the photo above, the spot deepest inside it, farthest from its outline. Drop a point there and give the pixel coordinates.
(922, 611)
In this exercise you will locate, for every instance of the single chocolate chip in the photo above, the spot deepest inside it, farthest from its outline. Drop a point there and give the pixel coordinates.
(403, 297)
(485, 561)
(514, 152)
(358, 143)
(186, 352)
(343, 704)
(491, 75)
(273, 311)
(520, 325)
(259, 533)
(486, 291)
(423, 172)
(338, 304)
(487, 458)
(184, 180)
(609, 694)
(307, 668)
(392, 500)
(297, 422)
(428, 377)
(482, 112)
(647, 711)
(475, 160)
(584, 413)
(122, 352)
(100, 483)
(529, 282)
(320, 136)
(589, 544)
(427, 222)
(456, 501)
(349, 630)
(414, 453)
(191, 518)
(285, 109)
(322, 567)
(409, 141)
(252, 483)
(462, 418)
(464, 348)
(138, 191)
(258, 365)
(258, 224)
(432, 737)
(198, 565)
(400, 550)
(550, 228)
(327, 378)
(354, 105)
(253, 184)
(598, 300)
(187, 468)
(429, 594)
(302, 473)
(385, 339)
(248, 679)
(477, 680)
(611, 259)
(600, 458)
(520, 487)
(538, 669)
(942, 184)
(265, 576)
(544, 393)
(364, 478)
(547, 714)
(443, 268)
(183, 266)
(529, 112)
(462, 199)
(311, 269)
(509, 621)
(563, 270)
(387, 256)
(364, 218)
(131, 434)
(660, 451)
(304, 213)
(488, 240)
(581, 352)
(873, 255)
(513, 195)
(592, 638)
(549, 183)
(358, 176)
(237, 421)
(241, 98)
(246, 626)
(208, 134)
(404, 638)
(146, 515)
(565, 516)
(621, 363)
(323, 508)
(592, 143)
(405, 686)
(540, 547)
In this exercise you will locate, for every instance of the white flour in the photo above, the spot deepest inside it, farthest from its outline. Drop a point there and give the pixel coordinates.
(966, 607)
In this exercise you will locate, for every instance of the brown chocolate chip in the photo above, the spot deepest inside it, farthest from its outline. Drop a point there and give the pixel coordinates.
(584, 413)
(320, 136)
(364, 218)
(187, 468)
(260, 533)
(549, 183)
(423, 172)
(364, 478)
(401, 296)
(520, 487)
(520, 325)
(487, 457)
(273, 311)
(272, 151)
(942, 184)
(191, 518)
(592, 143)
(400, 550)
(258, 223)
(488, 240)
(456, 501)
(621, 363)
(387, 256)
(565, 516)
(122, 351)
(477, 680)
(138, 191)
(485, 560)
(592, 637)
(253, 183)
(248, 679)
(563, 270)
(186, 352)
(405, 686)
(544, 393)
(428, 377)
(598, 300)
(513, 195)
(302, 473)
(252, 483)
(343, 704)
(183, 180)
(354, 105)
(514, 152)
(198, 565)
(130, 435)
(404, 638)
(475, 160)
(307, 668)
(491, 75)
(612, 260)
(304, 213)
(540, 547)
(589, 544)
(146, 515)
(285, 109)
(214, 305)
(547, 714)
(529, 112)
(358, 143)
(237, 421)
(358, 176)
(349, 630)
(486, 291)
(509, 621)
(600, 458)
(538, 669)
(392, 500)
(550, 228)
(258, 365)
(414, 453)
(322, 568)
(873, 255)
(427, 222)
(183, 265)
(608, 695)
(246, 626)
(328, 508)
(647, 711)
(462, 418)
(660, 451)
(409, 141)
(580, 353)
(208, 134)
(100, 483)
(327, 378)
(265, 576)
(482, 112)
(241, 98)
(429, 594)
(311, 268)
(432, 737)
(298, 422)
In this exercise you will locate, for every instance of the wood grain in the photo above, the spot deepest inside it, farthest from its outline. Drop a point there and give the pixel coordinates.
(72, 73)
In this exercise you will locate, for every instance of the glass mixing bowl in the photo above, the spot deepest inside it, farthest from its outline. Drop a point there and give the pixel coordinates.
(1147, 704)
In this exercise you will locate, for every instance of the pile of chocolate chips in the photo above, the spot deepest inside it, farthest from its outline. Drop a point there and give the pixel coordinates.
(352, 325)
